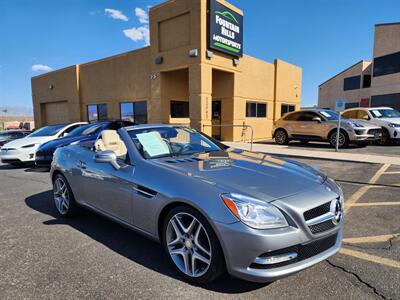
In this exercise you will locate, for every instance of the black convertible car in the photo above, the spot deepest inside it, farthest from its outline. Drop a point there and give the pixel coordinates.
(89, 132)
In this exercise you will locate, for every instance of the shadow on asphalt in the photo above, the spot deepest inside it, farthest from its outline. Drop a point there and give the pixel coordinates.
(128, 243)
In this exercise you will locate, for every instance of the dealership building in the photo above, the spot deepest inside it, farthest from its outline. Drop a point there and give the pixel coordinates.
(369, 83)
(193, 73)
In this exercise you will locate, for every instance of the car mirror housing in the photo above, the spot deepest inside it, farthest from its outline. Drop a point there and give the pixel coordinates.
(366, 117)
(107, 156)
(317, 119)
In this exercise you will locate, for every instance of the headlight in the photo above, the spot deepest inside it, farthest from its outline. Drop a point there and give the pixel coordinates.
(393, 125)
(356, 125)
(29, 146)
(254, 213)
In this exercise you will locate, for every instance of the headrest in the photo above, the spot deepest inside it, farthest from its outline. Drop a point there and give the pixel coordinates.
(110, 137)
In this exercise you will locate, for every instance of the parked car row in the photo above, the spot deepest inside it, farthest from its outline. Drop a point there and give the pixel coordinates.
(38, 147)
(358, 126)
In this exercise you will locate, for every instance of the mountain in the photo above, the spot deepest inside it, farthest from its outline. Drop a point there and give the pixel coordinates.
(16, 111)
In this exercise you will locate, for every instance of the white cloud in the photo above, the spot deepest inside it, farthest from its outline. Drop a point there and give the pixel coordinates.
(138, 34)
(142, 15)
(39, 67)
(116, 14)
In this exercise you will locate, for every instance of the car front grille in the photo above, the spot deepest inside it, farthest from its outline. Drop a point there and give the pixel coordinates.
(317, 211)
(304, 251)
(375, 131)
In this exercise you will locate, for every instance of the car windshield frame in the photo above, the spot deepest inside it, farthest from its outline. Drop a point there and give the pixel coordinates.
(49, 130)
(165, 142)
(384, 115)
(332, 115)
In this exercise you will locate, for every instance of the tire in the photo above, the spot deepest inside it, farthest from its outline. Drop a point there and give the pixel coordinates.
(385, 139)
(281, 137)
(343, 138)
(63, 197)
(192, 241)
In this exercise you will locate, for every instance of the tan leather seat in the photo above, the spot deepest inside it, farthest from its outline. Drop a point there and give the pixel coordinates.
(110, 140)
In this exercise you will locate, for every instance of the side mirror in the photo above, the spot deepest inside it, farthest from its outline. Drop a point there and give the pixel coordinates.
(366, 117)
(107, 156)
(317, 119)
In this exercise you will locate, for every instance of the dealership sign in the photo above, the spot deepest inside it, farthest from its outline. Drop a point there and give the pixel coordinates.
(226, 29)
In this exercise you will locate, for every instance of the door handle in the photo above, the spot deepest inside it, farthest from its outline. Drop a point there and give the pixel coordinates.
(82, 165)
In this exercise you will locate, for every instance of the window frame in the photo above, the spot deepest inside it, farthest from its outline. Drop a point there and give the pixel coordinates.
(133, 110)
(349, 80)
(97, 111)
(257, 103)
(287, 108)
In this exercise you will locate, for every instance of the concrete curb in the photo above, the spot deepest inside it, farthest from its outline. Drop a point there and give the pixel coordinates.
(336, 156)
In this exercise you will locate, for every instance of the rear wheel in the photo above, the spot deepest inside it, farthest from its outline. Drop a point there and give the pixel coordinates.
(281, 137)
(64, 200)
(192, 246)
(343, 139)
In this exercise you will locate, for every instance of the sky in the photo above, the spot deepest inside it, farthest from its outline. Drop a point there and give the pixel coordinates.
(323, 37)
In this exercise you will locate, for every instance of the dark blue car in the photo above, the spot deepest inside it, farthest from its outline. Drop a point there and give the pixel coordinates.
(89, 132)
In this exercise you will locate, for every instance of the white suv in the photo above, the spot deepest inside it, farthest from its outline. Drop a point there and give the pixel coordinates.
(386, 117)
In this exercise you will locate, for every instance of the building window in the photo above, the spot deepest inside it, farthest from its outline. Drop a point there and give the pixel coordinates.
(180, 109)
(352, 105)
(285, 108)
(97, 112)
(391, 100)
(134, 112)
(351, 83)
(387, 64)
(366, 81)
(256, 110)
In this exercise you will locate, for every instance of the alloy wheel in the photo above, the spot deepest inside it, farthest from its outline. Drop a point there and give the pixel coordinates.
(280, 137)
(342, 139)
(61, 196)
(188, 244)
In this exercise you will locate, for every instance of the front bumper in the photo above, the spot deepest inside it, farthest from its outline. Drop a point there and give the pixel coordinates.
(43, 159)
(18, 155)
(360, 135)
(242, 245)
(394, 133)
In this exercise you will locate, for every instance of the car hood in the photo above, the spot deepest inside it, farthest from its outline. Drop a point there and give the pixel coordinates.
(51, 145)
(391, 120)
(255, 174)
(365, 124)
(28, 140)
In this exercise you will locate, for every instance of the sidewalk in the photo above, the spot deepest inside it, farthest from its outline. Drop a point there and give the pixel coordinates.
(288, 151)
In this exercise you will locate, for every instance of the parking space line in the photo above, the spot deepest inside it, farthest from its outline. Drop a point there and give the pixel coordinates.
(371, 239)
(372, 258)
(361, 191)
(375, 204)
(392, 173)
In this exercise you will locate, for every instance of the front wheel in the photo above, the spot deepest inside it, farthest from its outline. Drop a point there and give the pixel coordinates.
(192, 246)
(281, 137)
(343, 139)
(385, 138)
(64, 200)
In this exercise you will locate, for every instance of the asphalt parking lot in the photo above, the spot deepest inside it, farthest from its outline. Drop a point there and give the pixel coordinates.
(43, 256)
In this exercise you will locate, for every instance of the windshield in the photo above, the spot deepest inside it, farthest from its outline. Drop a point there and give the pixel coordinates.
(170, 141)
(384, 113)
(47, 131)
(330, 115)
(90, 129)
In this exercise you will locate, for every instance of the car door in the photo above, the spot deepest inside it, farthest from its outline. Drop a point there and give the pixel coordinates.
(308, 127)
(107, 189)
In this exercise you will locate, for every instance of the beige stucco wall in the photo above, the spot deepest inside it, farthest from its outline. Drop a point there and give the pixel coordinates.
(331, 90)
(386, 41)
(176, 27)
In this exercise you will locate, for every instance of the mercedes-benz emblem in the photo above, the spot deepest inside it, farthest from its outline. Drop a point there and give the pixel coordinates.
(336, 210)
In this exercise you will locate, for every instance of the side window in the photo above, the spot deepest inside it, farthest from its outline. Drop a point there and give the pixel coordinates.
(351, 114)
(307, 116)
(362, 114)
(293, 117)
(68, 130)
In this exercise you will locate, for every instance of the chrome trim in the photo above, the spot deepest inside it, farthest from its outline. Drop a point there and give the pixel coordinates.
(139, 191)
(322, 218)
(275, 258)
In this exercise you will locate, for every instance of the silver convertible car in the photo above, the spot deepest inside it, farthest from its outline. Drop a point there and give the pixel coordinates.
(212, 208)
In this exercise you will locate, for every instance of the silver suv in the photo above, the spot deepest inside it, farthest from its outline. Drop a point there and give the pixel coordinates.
(321, 125)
